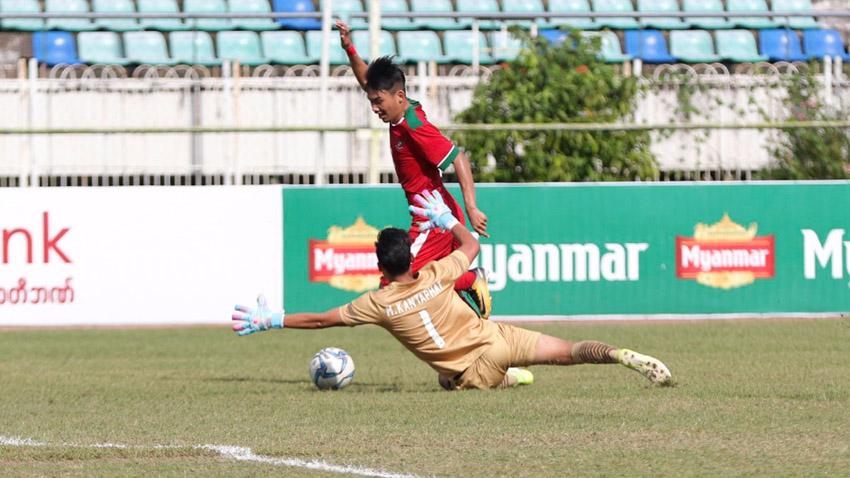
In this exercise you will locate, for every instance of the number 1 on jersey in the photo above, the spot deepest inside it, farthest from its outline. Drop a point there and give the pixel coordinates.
(429, 326)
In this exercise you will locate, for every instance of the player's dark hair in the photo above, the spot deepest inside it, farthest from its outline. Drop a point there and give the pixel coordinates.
(393, 250)
(384, 74)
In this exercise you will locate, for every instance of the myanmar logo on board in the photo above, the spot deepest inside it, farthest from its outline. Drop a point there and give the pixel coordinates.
(346, 260)
(725, 255)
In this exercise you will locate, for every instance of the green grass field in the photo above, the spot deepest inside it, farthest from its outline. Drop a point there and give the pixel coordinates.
(757, 398)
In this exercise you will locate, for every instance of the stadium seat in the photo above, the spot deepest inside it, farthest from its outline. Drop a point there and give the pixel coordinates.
(617, 23)
(706, 6)
(193, 48)
(781, 45)
(242, 46)
(163, 24)
(663, 23)
(345, 7)
(22, 24)
(361, 42)
(609, 48)
(459, 47)
(146, 48)
(525, 6)
(207, 6)
(296, 6)
(396, 6)
(755, 23)
(115, 24)
(54, 48)
(420, 46)
(434, 6)
(648, 45)
(822, 43)
(572, 6)
(738, 46)
(799, 23)
(100, 47)
(68, 24)
(252, 6)
(286, 48)
(479, 7)
(505, 47)
(693, 46)
(336, 55)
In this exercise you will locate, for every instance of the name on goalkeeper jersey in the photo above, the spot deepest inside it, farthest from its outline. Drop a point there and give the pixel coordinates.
(406, 305)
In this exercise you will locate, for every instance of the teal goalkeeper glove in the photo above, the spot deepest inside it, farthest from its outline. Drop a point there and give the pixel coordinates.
(435, 209)
(256, 320)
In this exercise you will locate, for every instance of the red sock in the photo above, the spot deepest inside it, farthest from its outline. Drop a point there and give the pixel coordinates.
(465, 281)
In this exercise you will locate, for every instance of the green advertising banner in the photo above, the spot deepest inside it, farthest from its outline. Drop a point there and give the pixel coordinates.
(597, 249)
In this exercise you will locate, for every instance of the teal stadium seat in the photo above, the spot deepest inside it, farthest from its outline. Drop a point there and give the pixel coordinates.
(797, 23)
(146, 48)
(396, 6)
(504, 46)
(21, 24)
(68, 24)
(241, 46)
(286, 48)
(343, 8)
(459, 48)
(738, 46)
(743, 6)
(610, 50)
(336, 55)
(100, 48)
(525, 6)
(572, 6)
(706, 6)
(435, 23)
(207, 6)
(419, 46)
(193, 48)
(662, 23)
(478, 7)
(693, 46)
(115, 24)
(252, 6)
(615, 6)
(361, 42)
(163, 24)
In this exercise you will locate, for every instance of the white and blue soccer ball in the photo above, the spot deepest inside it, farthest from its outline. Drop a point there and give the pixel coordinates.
(331, 368)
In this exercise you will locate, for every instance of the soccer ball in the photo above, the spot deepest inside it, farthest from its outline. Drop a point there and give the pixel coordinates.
(331, 368)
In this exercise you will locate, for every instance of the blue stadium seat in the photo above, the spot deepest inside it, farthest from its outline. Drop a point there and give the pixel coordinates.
(821, 43)
(648, 45)
(555, 37)
(53, 48)
(297, 6)
(781, 45)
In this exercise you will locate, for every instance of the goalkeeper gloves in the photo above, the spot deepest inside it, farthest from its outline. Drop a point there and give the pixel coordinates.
(435, 209)
(256, 320)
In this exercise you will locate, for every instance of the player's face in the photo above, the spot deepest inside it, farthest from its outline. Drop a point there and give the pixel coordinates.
(389, 106)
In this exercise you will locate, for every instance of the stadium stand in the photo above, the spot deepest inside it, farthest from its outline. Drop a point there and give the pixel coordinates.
(193, 48)
(610, 50)
(649, 46)
(69, 24)
(781, 45)
(147, 47)
(434, 23)
(743, 6)
(525, 6)
(572, 6)
(822, 43)
(706, 6)
(459, 45)
(21, 24)
(420, 46)
(799, 23)
(505, 46)
(207, 6)
(314, 49)
(664, 23)
(243, 46)
(693, 46)
(251, 6)
(162, 24)
(361, 42)
(478, 7)
(615, 6)
(346, 7)
(396, 6)
(296, 6)
(115, 24)
(55, 48)
(101, 48)
(738, 46)
(285, 48)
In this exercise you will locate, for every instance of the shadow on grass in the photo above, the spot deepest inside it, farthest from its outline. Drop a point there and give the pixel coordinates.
(354, 387)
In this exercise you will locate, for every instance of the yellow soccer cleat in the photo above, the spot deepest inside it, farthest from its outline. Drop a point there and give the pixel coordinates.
(650, 367)
(480, 293)
(519, 376)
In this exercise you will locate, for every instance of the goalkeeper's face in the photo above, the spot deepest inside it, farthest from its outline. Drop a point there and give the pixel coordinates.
(388, 105)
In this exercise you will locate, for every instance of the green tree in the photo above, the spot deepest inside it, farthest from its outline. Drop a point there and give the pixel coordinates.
(553, 84)
(809, 153)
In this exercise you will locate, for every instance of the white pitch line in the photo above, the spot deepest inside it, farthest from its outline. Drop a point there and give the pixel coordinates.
(231, 452)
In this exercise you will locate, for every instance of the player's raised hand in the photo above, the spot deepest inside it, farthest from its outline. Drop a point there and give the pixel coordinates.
(435, 209)
(250, 320)
(478, 220)
(344, 34)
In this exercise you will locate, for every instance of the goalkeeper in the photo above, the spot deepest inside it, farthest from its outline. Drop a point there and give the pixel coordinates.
(423, 312)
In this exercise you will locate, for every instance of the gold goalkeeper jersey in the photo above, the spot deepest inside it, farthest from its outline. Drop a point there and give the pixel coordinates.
(428, 316)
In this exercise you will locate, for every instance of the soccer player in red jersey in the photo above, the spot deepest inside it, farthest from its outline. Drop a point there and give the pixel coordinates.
(420, 155)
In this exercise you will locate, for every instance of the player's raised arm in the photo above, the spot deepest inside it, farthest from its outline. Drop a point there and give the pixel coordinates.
(467, 185)
(357, 64)
(249, 321)
(440, 216)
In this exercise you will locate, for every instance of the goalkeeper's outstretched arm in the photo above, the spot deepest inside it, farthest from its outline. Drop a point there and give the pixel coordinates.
(311, 320)
(249, 321)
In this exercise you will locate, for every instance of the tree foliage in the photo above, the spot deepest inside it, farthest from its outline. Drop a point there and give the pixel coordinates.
(553, 84)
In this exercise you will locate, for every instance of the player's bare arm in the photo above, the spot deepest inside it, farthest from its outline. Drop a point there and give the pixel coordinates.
(357, 64)
(467, 186)
(248, 320)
